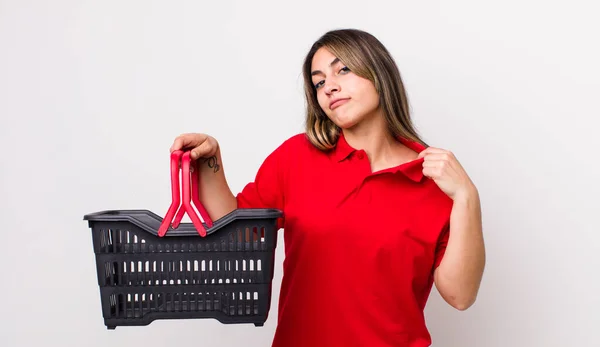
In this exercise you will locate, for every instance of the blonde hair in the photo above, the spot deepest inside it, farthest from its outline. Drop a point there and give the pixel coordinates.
(366, 57)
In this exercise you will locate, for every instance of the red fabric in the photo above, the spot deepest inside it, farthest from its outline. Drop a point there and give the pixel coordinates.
(360, 247)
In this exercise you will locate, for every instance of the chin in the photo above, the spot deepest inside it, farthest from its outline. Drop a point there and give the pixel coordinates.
(345, 122)
(345, 125)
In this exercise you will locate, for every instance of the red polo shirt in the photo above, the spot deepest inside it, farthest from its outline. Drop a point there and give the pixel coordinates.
(360, 247)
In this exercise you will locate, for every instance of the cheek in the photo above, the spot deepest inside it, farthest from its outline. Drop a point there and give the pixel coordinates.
(370, 96)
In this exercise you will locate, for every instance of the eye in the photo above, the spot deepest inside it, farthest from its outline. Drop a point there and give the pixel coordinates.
(319, 84)
(344, 70)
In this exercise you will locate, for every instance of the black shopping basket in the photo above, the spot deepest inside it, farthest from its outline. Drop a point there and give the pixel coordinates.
(152, 268)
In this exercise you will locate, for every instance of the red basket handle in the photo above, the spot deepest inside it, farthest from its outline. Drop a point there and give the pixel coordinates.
(175, 192)
(195, 177)
(186, 206)
(187, 171)
(196, 197)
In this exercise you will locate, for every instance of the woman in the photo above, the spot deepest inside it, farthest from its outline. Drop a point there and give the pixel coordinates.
(372, 216)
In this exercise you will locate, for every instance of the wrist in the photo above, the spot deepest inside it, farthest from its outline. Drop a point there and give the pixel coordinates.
(210, 164)
(467, 195)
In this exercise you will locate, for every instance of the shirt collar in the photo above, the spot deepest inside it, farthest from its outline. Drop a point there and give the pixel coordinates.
(342, 149)
(412, 169)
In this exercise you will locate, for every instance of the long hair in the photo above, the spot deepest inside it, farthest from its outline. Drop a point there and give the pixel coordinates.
(368, 58)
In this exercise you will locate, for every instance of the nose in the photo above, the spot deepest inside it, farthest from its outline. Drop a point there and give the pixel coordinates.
(331, 87)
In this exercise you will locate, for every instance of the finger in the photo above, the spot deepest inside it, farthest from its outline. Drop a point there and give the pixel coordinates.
(432, 163)
(438, 157)
(442, 166)
(422, 154)
(439, 166)
(431, 150)
(185, 141)
(437, 150)
(176, 145)
(204, 150)
(431, 172)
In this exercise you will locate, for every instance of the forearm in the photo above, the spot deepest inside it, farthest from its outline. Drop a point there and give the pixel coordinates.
(459, 275)
(215, 194)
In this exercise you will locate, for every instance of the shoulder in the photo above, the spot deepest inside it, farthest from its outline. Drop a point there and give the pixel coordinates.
(296, 151)
(296, 144)
(292, 147)
(297, 140)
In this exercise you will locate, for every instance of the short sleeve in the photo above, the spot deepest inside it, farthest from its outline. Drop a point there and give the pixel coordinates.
(442, 243)
(267, 190)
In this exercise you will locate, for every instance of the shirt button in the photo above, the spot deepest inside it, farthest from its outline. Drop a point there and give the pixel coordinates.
(361, 156)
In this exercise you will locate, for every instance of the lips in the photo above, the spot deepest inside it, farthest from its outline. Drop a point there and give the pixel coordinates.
(337, 102)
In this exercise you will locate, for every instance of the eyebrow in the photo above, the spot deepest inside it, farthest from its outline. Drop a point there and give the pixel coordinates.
(317, 72)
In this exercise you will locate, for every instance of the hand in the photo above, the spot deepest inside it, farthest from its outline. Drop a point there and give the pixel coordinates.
(444, 169)
(200, 145)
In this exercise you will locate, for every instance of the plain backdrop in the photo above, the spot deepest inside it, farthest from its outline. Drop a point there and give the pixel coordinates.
(92, 94)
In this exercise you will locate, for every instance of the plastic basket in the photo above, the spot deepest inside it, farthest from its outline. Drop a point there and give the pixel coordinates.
(153, 268)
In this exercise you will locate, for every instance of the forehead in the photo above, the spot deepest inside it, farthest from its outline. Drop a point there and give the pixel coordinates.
(322, 58)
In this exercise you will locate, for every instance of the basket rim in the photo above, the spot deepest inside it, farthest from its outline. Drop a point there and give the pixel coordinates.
(150, 221)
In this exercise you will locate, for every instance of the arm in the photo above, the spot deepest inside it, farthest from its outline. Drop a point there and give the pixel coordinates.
(459, 274)
(460, 271)
(215, 194)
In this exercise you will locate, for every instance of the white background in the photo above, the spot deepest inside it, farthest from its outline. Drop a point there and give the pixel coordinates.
(92, 93)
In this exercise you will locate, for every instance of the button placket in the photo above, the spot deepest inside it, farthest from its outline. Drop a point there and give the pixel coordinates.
(364, 167)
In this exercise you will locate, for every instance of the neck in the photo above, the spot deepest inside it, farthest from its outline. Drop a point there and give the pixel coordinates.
(373, 136)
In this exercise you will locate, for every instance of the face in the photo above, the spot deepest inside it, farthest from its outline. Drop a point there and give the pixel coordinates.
(346, 98)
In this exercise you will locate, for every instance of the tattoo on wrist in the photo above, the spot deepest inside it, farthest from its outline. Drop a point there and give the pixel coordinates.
(213, 164)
